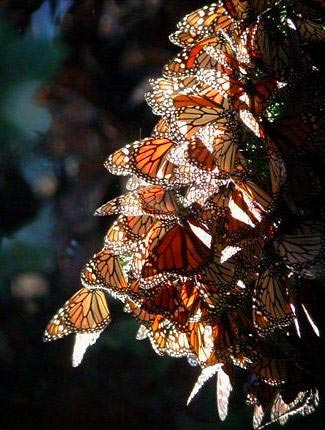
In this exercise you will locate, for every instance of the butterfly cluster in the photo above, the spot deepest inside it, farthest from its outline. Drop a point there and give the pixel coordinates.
(221, 227)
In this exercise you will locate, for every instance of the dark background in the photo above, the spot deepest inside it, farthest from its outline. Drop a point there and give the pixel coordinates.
(72, 79)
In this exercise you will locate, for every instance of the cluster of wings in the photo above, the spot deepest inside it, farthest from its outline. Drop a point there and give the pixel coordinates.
(221, 230)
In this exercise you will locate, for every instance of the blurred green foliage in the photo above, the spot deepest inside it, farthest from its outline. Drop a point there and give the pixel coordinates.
(26, 62)
(21, 257)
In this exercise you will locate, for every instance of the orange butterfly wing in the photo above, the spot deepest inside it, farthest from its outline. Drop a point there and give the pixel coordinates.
(180, 249)
(104, 270)
(200, 24)
(271, 308)
(146, 159)
(150, 159)
(85, 312)
(272, 371)
(198, 154)
(153, 200)
(126, 232)
(177, 301)
(158, 201)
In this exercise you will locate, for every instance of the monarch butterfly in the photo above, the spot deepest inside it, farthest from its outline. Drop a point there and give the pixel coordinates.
(260, 395)
(277, 171)
(196, 341)
(270, 399)
(167, 340)
(201, 341)
(146, 159)
(200, 184)
(181, 248)
(144, 317)
(242, 10)
(258, 416)
(298, 250)
(217, 274)
(216, 206)
(221, 138)
(104, 270)
(134, 182)
(207, 97)
(153, 200)
(235, 213)
(272, 371)
(165, 301)
(244, 208)
(253, 193)
(304, 403)
(195, 168)
(279, 410)
(271, 50)
(85, 312)
(250, 254)
(151, 238)
(238, 9)
(232, 343)
(196, 113)
(251, 121)
(215, 296)
(198, 154)
(201, 24)
(189, 61)
(245, 93)
(229, 60)
(190, 296)
(189, 129)
(168, 94)
(309, 31)
(271, 309)
(255, 96)
(258, 94)
(294, 132)
(223, 391)
(177, 301)
(160, 99)
(126, 232)
(207, 373)
(164, 337)
(160, 130)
